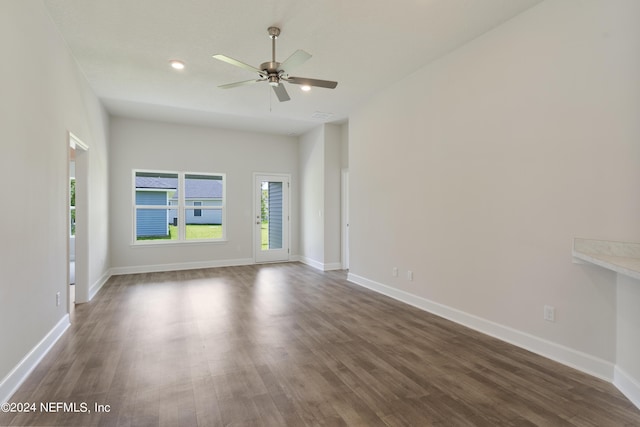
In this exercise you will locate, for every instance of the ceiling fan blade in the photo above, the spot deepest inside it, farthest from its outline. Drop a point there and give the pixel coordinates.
(296, 59)
(281, 92)
(312, 82)
(244, 83)
(237, 63)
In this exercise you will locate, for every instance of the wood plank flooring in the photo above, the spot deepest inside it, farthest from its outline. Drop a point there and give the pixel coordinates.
(286, 345)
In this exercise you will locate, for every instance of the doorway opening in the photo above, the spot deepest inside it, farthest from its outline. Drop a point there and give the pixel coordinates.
(77, 230)
(72, 227)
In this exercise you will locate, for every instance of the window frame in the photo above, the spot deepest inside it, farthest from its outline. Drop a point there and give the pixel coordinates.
(181, 207)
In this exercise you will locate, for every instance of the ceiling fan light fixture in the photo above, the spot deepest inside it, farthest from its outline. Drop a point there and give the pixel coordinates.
(176, 64)
(274, 81)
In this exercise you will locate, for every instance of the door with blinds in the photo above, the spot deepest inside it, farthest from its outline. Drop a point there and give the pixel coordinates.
(271, 218)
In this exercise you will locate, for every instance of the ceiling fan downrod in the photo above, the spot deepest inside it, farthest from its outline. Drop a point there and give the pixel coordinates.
(274, 32)
(271, 68)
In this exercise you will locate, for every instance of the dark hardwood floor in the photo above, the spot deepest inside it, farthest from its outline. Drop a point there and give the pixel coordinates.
(284, 344)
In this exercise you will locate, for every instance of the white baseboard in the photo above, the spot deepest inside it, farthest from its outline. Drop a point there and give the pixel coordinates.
(332, 266)
(16, 377)
(567, 356)
(180, 266)
(627, 385)
(311, 262)
(95, 288)
(320, 265)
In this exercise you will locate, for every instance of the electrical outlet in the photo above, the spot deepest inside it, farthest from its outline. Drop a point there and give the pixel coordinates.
(57, 299)
(410, 275)
(395, 271)
(549, 313)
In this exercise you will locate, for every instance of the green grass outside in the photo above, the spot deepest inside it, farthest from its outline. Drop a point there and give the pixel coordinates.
(204, 231)
(265, 236)
(194, 232)
(199, 231)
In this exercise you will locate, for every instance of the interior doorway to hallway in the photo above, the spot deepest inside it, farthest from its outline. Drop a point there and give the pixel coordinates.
(77, 228)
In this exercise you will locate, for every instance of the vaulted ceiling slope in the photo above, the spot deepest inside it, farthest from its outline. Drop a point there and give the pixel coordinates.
(124, 48)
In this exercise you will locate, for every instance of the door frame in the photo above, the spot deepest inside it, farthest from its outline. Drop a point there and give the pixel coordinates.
(345, 219)
(256, 209)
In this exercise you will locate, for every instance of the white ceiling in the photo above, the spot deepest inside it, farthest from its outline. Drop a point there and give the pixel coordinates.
(124, 48)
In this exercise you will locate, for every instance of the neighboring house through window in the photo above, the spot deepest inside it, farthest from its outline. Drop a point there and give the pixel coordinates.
(165, 206)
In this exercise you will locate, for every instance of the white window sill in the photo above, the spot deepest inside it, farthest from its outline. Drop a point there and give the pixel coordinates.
(177, 243)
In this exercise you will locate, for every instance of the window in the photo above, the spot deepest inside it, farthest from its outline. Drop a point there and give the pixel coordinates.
(178, 207)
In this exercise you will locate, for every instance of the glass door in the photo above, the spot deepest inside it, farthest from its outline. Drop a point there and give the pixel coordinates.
(271, 218)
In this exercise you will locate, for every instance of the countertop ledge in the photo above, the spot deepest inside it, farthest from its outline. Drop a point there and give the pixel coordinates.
(621, 257)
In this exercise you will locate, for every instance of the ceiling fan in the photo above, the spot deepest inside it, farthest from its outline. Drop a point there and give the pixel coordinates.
(275, 72)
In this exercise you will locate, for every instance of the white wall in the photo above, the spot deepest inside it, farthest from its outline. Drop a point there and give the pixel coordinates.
(320, 160)
(344, 145)
(332, 189)
(140, 144)
(311, 166)
(492, 159)
(43, 97)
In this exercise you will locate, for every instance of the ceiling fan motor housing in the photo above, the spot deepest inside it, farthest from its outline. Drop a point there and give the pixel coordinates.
(270, 67)
(271, 72)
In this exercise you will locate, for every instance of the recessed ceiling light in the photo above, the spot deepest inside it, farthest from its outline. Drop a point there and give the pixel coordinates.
(305, 88)
(178, 65)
